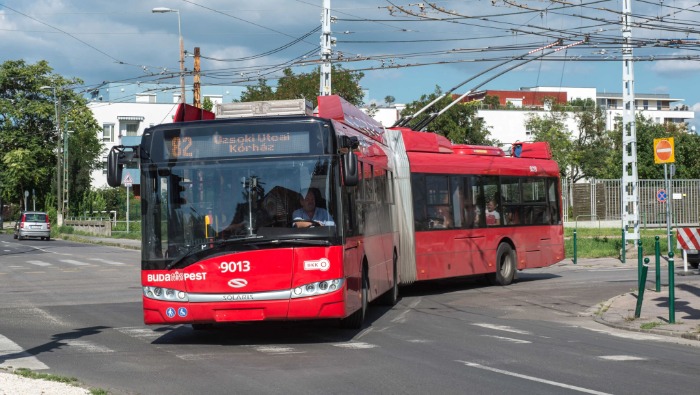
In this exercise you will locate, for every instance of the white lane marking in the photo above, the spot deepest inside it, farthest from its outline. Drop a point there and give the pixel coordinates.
(14, 356)
(39, 263)
(622, 358)
(278, 350)
(532, 378)
(401, 318)
(502, 328)
(509, 339)
(107, 261)
(355, 345)
(141, 333)
(74, 262)
(87, 346)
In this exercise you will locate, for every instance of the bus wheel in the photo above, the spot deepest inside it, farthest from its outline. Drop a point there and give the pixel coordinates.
(355, 320)
(391, 297)
(505, 265)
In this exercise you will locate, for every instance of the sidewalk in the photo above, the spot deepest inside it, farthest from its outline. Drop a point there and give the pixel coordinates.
(618, 312)
(107, 241)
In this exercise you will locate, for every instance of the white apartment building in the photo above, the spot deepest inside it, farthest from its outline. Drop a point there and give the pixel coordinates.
(124, 123)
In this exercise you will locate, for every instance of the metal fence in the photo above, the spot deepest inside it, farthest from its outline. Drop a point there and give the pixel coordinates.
(600, 200)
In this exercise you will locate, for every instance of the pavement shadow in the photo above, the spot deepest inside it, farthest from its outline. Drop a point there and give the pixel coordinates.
(58, 341)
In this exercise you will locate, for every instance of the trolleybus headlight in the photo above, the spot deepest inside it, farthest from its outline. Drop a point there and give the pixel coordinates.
(317, 288)
(168, 294)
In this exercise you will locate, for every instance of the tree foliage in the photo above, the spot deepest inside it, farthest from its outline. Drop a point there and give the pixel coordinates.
(686, 148)
(345, 84)
(28, 134)
(460, 124)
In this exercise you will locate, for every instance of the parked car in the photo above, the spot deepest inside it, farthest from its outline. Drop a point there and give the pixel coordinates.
(33, 224)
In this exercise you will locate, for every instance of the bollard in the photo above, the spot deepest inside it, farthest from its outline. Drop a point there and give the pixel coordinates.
(671, 290)
(642, 286)
(574, 246)
(640, 258)
(623, 253)
(657, 255)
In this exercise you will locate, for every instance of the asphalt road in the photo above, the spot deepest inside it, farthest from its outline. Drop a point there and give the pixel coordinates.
(74, 309)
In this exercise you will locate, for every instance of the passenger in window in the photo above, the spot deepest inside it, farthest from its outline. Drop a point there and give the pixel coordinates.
(309, 215)
(493, 217)
(512, 217)
(440, 218)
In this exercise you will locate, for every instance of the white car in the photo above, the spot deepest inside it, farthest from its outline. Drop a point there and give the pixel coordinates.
(33, 224)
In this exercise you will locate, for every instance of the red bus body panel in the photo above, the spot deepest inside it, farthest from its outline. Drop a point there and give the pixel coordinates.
(270, 270)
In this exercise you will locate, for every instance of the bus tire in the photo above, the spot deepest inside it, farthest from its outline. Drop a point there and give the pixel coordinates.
(356, 319)
(505, 265)
(391, 297)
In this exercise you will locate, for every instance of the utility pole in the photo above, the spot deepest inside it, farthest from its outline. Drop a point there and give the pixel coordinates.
(196, 90)
(326, 42)
(630, 182)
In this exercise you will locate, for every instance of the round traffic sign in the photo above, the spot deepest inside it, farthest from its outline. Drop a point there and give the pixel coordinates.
(664, 150)
(661, 196)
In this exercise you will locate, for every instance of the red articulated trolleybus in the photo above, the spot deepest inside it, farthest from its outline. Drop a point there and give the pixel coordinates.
(273, 212)
(224, 234)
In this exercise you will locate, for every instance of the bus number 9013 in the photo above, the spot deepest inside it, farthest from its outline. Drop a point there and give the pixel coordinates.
(180, 147)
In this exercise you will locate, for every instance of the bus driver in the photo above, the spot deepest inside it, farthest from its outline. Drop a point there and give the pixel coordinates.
(310, 215)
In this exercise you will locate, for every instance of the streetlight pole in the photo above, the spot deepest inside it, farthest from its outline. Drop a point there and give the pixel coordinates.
(161, 10)
(57, 121)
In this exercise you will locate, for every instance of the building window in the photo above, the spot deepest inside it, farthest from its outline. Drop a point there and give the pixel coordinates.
(104, 165)
(129, 128)
(646, 104)
(658, 105)
(145, 98)
(108, 132)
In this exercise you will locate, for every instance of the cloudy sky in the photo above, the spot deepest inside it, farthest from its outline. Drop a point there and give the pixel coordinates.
(404, 48)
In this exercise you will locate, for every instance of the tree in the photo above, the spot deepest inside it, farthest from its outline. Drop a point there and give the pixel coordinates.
(207, 104)
(259, 92)
(389, 100)
(345, 84)
(581, 153)
(492, 102)
(686, 147)
(460, 124)
(27, 122)
(551, 128)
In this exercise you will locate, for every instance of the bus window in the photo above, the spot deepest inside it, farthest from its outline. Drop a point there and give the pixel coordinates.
(439, 211)
(492, 200)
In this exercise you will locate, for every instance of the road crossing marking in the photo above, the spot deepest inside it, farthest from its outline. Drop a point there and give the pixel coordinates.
(106, 261)
(279, 350)
(355, 345)
(502, 328)
(74, 262)
(532, 378)
(622, 358)
(39, 263)
(87, 346)
(141, 333)
(14, 356)
(509, 339)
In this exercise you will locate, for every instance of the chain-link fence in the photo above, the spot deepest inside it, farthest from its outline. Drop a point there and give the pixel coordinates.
(600, 200)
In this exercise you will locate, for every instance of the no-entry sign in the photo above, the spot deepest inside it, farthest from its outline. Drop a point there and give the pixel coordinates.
(663, 151)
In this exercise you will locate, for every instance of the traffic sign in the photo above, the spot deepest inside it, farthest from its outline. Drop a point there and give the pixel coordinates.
(128, 181)
(661, 195)
(663, 151)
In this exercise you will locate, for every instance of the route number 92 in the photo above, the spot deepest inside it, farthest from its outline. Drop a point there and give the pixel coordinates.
(232, 267)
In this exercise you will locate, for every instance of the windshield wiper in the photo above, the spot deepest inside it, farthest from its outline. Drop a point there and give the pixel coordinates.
(198, 248)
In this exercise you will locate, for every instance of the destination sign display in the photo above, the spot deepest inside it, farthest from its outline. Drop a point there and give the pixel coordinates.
(211, 143)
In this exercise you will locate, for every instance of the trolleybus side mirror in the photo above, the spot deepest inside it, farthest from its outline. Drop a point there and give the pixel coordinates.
(350, 176)
(114, 168)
